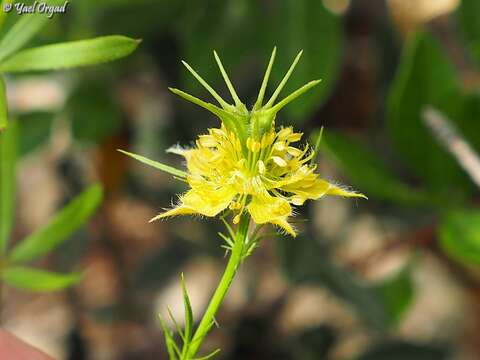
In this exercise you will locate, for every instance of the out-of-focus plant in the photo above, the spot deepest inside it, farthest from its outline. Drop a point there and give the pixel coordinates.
(13, 59)
(13, 260)
(425, 77)
(248, 171)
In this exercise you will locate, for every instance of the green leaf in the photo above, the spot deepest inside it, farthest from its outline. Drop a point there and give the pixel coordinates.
(172, 348)
(307, 25)
(459, 235)
(400, 350)
(397, 294)
(8, 155)
(22, 31)
(3, 105)
(38, 280)
(425, 77)
(367, 171)
(60, 228)
(209, 356)
(468, 19)
(95, 114)
(70, 54)
(168, 169)
(35, 128)
(188, 314)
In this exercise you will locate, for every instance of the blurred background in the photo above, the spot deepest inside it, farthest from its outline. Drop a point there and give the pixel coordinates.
(394, 277)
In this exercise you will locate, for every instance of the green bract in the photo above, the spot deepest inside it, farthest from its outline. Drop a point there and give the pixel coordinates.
(236, 117)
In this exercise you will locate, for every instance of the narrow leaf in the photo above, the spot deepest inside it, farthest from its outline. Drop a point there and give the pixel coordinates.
(175, 323)
(230, 87)
(8, 155)
(224, 116)
(294, 95)
(22, 31)
(209, 356)
(284, 80)
(60, 228)
(3, 105)
(172, 348)
(227, 240)
(70, 54)
(317, 146)
(229, 228)
(210, 107)
(168, 169)
(188, 313)
(263, 87)
(38, 280)
(217, 97)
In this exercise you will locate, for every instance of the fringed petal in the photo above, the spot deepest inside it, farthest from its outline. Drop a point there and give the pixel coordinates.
(265, 208)
(314, 189)
(206, 201)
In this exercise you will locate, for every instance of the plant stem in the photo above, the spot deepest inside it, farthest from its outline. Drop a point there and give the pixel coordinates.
(209, 317)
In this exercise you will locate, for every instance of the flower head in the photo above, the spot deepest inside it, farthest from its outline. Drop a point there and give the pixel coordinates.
(247, 164)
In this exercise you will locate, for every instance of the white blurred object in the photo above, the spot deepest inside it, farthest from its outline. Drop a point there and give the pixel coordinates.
(337, 6)
(410, 13)
(36, 93)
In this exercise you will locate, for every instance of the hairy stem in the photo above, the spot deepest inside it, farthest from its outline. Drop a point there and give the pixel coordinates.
(234, 261)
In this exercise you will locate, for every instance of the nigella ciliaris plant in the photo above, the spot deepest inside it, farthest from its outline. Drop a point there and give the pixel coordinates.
(248, 171)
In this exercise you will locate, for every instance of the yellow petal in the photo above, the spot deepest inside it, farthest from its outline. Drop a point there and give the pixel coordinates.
(338, 191)
(283, 223)
(199, 161)
(314, 189)
(265, 208)
(204, 200)
(179, 210)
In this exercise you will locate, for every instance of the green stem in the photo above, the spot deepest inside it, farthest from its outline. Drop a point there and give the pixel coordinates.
(209, 317)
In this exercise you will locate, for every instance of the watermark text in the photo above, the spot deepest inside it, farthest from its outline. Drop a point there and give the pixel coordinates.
(38, 7)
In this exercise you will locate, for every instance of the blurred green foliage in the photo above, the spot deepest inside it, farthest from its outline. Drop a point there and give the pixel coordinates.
(403, 350)
(38, 244)
(425, 77)
(36, 129)
(94, 112)
(468, 20)
(415, 172)
(44, 240)
(460, 235)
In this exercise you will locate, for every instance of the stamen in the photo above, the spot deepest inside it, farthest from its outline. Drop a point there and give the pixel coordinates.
(261, 167)
(279, 161)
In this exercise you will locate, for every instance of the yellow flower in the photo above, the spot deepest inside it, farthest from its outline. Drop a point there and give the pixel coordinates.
(272, 176)
(247, 165)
